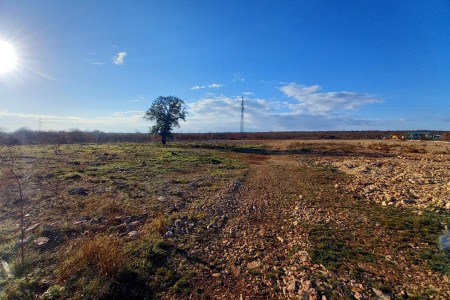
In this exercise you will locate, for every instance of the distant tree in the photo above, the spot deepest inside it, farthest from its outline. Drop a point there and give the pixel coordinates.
(24, 135)
(165, 112)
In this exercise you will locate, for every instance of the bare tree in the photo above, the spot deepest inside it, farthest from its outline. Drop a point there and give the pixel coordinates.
(18, 179)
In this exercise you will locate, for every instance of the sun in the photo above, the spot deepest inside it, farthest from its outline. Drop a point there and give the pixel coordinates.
(8, 57)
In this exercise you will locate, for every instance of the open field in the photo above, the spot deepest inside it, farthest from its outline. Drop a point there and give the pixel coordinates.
(271, 219)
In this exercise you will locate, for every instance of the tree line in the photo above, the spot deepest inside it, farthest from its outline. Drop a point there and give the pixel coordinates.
(25, 136)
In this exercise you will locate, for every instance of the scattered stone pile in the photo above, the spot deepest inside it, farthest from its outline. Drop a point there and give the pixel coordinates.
(420, 182)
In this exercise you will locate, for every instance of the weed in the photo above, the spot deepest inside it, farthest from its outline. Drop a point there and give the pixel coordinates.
(157, 225)
(182, 286)
(437, 260)
(18, 289)
(55, 292)
(331, 247)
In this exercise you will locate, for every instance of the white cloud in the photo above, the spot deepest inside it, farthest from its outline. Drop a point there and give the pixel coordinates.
(221, 113)
(92, 61)
(198, 87)
(248, 93)
(212, 86)
(119, 58)
(298, 91)
(310, 100)
(215, 85)
(138, 99)
(310, 110)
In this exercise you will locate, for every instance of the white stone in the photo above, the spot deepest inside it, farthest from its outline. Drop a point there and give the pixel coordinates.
(41, 242)
(133, 235)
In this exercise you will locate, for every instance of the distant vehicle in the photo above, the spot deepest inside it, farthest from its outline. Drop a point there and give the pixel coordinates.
(422, 135)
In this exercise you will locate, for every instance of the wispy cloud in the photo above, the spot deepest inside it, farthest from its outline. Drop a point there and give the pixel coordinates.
(237, 77)
(119, 58)
(118, 121)
(138, 99)
(312, 101)
(212, 86)
(248, 93)
(92, 61)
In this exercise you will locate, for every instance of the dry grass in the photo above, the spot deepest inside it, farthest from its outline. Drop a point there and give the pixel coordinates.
(157, 226)
(396, 147)
(103, 254)
(125, 180)
(105, 206)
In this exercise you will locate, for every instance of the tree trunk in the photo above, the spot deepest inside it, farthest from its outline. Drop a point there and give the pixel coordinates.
(163, 139)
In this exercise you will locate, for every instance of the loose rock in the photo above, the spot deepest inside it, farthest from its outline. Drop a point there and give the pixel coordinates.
(253, 264)
(41, 242)
(78, 191)
(133, 235)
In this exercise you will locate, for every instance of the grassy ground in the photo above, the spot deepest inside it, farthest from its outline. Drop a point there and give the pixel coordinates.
(203, 213)
(151, 184)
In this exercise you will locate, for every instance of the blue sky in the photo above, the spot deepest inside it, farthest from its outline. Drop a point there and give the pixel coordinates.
(300, 65)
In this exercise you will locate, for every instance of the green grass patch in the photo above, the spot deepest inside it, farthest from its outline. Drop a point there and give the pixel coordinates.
(408, 227)
(332, 247)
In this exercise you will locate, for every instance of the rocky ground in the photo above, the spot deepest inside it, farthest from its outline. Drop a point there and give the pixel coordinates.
(278, 220)
(405, 181)
(299, 229)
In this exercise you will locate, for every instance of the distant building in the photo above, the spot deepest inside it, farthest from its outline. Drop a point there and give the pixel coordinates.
(421, 135)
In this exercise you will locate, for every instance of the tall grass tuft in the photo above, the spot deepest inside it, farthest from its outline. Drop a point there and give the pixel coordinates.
(158, 225)
(102, 255)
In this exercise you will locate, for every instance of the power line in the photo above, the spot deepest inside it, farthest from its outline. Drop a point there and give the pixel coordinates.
(242, 114)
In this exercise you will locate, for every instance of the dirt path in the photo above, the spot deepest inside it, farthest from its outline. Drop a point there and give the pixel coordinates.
(291, 232)
(256, 254)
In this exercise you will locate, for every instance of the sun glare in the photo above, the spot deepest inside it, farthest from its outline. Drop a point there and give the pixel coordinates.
(8, 57)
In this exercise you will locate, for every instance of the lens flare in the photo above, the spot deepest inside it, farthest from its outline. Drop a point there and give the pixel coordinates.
(8, 57)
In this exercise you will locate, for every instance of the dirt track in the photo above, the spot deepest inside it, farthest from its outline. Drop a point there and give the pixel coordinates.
(294, 232)
(288, 220)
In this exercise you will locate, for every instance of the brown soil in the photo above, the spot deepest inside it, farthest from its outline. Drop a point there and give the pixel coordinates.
(280, 219)
(260, 220)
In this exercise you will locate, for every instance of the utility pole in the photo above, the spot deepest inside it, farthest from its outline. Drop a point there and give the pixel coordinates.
(242, 115)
